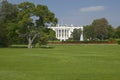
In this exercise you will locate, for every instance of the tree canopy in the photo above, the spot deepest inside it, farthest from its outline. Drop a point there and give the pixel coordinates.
(76, 34)
(117, 32)
(8, 22)
(24, 22)
(98, 30)
(32, 18)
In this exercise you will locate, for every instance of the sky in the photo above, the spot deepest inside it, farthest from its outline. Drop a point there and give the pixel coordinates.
(81, 12)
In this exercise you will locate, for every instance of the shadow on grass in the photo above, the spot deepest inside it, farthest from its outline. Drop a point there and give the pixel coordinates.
(18, 46)
(47, 47)
(25, 46)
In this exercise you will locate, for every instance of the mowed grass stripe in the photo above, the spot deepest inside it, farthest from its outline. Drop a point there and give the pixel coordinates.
(63, 62)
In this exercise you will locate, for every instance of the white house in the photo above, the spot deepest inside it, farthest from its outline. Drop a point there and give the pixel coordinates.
(63, 32)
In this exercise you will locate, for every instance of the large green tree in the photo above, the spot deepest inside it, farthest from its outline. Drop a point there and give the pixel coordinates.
(76, 34)
(89, 33)
(8, 22)
(117, 32)
(3, 37)
(33, 19)
(101, 28)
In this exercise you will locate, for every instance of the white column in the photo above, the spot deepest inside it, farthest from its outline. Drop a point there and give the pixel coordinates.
(64, 34)
(61, 34)
(57, 33)
(69, 33)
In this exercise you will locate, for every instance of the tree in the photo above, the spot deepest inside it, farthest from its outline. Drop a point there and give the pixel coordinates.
(8, 18)
(101, 27)
(3, 37)
(99, 30)
(76, 34)
(45, 16)
(46, 34)
(111, 32)
(89, 33)
(117, 32)
(51, 34)
(33, 19)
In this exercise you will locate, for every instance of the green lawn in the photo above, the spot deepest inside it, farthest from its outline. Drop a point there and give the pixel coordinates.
(63, 62)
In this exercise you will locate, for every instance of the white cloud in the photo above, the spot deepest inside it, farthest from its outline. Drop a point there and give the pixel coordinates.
(92, 9)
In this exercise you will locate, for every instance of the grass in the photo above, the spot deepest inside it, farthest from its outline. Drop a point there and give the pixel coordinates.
(63, 62)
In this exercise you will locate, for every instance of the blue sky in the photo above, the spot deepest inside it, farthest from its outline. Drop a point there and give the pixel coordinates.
(82, 12)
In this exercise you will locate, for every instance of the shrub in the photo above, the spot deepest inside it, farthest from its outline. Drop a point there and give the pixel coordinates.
(86, 42)
(118, 42)
(111, 40)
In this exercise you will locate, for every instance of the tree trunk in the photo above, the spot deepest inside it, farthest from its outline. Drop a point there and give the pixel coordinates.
(29, 43)
(30, 40)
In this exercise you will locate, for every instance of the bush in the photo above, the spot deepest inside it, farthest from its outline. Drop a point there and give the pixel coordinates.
(86, 42)
(118, 42)
(111, 40)
(3, 41)
(37, 45)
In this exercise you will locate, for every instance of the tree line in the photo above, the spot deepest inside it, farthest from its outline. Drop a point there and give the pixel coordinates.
(25, 23)
(100, 29)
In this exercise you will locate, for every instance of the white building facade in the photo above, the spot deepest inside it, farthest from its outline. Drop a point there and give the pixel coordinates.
(64, 32)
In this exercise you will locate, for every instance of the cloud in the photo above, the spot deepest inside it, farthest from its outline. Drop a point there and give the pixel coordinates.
(92, 9)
